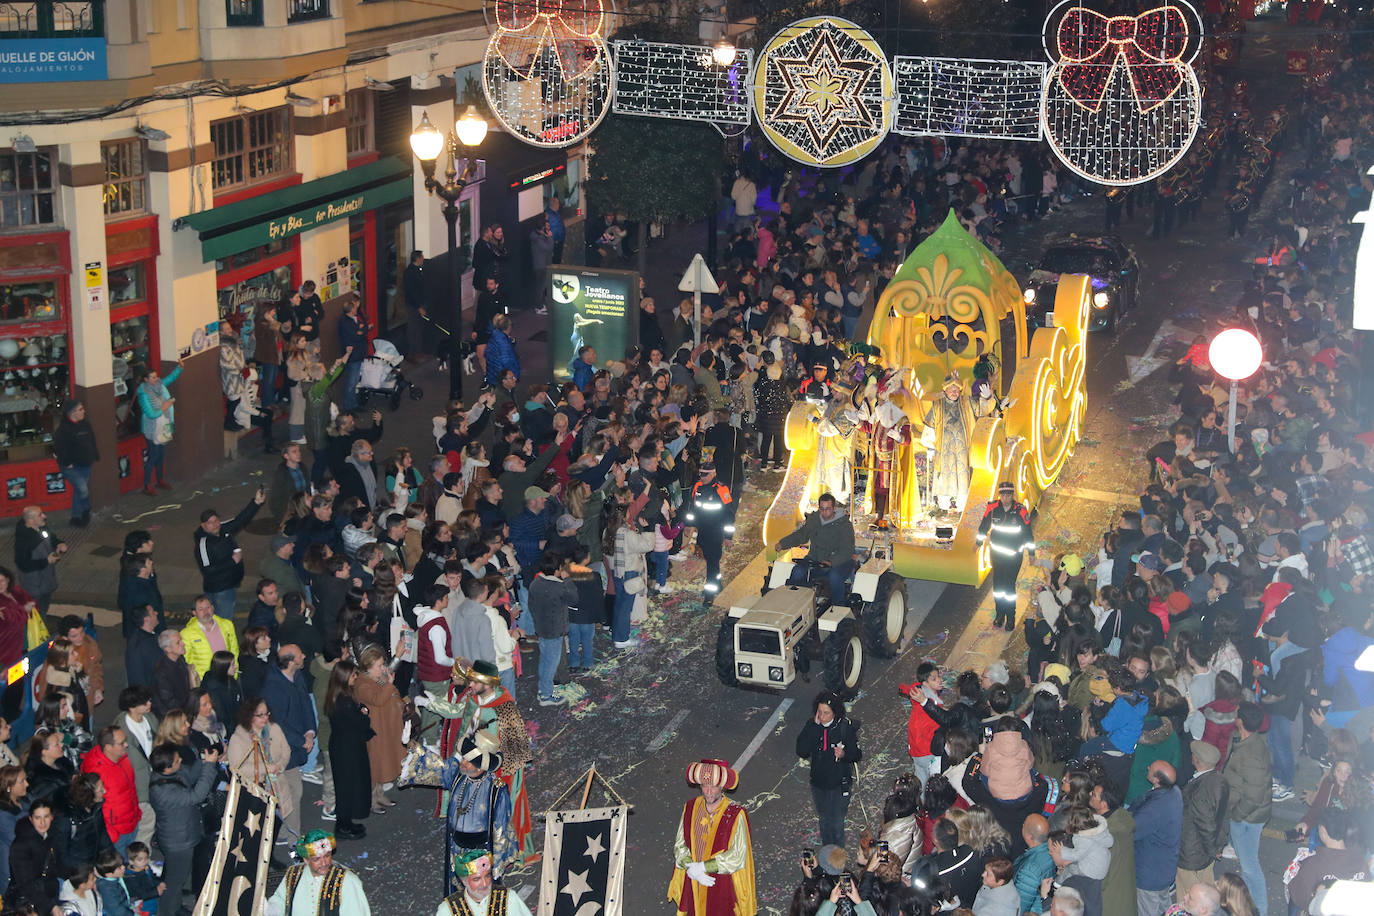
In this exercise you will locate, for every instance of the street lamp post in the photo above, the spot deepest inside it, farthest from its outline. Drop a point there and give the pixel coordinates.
(427, 143)
(1235, 354)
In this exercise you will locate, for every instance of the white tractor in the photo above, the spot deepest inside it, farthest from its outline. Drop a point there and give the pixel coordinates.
(770, 641)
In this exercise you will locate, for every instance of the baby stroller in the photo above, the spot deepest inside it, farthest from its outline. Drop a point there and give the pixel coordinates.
(382, 378)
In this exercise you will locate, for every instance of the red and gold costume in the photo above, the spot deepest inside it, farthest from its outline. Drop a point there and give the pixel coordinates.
(713, 873)
(481, 704)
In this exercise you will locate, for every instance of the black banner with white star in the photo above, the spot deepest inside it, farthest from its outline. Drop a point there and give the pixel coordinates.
(584, 863)
(237, 883)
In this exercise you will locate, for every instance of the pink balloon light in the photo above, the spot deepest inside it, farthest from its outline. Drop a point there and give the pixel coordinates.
(1235, 354)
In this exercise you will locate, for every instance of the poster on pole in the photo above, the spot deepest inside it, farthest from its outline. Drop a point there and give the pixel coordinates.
(592, 307)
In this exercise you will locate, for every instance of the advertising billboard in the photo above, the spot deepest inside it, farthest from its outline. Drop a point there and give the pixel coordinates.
(592, 307)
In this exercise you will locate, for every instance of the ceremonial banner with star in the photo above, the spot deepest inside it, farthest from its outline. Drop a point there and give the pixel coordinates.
(237, 884)
(584, 862)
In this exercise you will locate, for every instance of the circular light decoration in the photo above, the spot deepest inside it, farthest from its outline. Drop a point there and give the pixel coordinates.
(823, 91)
(1122, 102)
(547, 70)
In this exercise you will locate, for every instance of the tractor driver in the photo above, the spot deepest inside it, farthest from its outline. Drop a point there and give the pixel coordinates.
(831, 537)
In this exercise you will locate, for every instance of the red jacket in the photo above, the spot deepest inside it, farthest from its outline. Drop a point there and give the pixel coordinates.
(121, 794)
(920, 727)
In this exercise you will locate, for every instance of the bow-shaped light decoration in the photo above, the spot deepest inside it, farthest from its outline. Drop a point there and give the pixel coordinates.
(1151, 46)
(571, 27)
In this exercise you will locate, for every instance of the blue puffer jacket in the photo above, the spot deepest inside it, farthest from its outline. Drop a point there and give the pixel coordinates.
(500, 356)
(1125, 721)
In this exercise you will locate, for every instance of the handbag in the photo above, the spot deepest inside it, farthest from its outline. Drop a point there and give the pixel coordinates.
(35, 631)
(1114, 644)
(402, 635)
(162, 430)
(633, 583)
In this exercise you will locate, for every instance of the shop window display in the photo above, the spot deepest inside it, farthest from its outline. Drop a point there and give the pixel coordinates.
(34, 380)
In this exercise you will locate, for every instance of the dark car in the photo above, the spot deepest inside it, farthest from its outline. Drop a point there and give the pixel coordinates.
(1110, 266)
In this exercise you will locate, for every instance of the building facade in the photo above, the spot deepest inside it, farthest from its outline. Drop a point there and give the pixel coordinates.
(171, 168)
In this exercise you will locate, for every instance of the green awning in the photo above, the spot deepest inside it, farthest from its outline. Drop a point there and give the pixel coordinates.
(256, 221)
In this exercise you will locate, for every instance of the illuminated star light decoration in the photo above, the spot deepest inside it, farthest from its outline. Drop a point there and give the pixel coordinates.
(1122, 102)
(823, 92)
(547, 69)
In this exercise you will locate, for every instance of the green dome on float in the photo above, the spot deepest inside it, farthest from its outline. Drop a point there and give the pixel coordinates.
(944, 308)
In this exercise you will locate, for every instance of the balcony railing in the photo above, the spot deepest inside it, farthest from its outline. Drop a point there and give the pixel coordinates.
(52, 19)
(307, 10)
(243, 12)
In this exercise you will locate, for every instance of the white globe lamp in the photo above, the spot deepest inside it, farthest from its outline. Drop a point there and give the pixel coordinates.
(1235, 354)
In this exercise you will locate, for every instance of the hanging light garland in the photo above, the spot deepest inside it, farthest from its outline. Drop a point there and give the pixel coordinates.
(1120, 105)
(691, 83)
(969, 98)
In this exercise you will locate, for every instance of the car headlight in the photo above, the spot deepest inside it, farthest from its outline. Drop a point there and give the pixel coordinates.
(1029, 296)
(1101, 300)
(746, 669)
(775, 673)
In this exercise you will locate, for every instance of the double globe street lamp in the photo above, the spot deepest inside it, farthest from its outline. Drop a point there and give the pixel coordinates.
(428, 143)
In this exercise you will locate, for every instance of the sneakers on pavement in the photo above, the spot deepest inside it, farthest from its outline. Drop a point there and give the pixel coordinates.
(313, 778)
(552, 701)
(1283, 793)
(625, 645)
(328, 814)
(679, 557)
(1229, 852)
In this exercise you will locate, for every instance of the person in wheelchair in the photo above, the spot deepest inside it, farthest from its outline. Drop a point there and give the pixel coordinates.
(830, 534)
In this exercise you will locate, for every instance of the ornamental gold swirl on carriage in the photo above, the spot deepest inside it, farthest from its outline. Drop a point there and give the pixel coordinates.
(1122, 103)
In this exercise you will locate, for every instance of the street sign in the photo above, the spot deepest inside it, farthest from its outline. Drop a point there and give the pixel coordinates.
(697, 280)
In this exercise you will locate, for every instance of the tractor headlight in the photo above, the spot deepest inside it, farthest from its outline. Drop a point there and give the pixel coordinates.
(1101, 300)
(1029, 296)
(775, 673)
(745, 669)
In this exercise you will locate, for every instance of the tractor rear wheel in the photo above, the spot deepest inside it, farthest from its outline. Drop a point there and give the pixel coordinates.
(885, 616)
(725, 652)
(844, 658)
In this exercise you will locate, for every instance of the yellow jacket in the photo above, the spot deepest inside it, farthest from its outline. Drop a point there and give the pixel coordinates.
(198, 649)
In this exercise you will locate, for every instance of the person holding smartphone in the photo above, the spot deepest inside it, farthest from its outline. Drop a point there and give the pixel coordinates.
(831, 742)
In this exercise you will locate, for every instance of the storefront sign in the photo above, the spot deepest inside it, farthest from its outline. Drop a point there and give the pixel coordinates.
(284, 225)
(51, 60)
(1299, 63)
(596, 308)
(539, 176)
